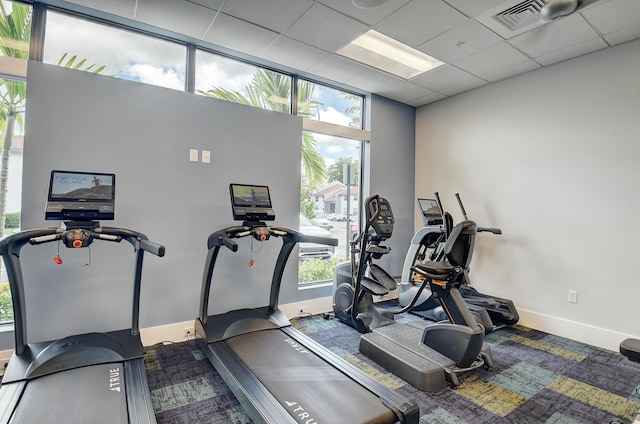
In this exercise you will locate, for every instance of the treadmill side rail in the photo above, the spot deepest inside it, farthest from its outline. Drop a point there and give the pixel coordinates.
(9, 397)
(138, 395)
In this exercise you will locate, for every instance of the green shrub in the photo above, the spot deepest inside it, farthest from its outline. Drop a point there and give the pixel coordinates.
(6, 308)
(317, 269)
(12, 220)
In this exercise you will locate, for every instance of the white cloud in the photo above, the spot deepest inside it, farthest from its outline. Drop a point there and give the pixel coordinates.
(332, 116)
(156, 75)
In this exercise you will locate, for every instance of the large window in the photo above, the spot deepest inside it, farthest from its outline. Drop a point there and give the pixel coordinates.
(329, 105)
(227, 79)
(330, 178)
(332, 206)
(81, 44)
(15, 26)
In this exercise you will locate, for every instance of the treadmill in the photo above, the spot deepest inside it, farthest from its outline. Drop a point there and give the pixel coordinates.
(93, 377)
(278, 374)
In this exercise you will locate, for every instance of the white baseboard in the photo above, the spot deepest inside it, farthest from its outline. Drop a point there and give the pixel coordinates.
(585, 333)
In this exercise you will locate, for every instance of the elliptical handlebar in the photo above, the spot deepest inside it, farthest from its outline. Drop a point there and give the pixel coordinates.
(497, 231)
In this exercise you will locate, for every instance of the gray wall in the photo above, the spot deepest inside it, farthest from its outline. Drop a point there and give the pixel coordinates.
(80, 121)
(392, 172)
(551, 157)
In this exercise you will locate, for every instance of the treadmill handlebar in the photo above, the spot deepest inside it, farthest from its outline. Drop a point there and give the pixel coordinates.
(45, 239)
(262, 233)
(37, 236)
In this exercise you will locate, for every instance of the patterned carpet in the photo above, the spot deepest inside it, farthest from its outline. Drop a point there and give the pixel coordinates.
(537, 378)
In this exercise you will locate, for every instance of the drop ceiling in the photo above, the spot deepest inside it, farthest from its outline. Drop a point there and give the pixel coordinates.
(304, 35)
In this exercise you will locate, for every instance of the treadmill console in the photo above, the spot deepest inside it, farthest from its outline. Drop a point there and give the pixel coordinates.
(383, 224)
(251, 203)
(80, 196)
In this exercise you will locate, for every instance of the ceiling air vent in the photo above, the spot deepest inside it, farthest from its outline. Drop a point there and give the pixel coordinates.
(513, 17)
(521, 15)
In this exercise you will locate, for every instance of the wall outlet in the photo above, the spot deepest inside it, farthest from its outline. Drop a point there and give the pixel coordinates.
(573, 296)
(189, 333)
(193, 155)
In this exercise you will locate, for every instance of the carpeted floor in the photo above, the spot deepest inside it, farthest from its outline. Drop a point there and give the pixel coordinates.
(537, 378)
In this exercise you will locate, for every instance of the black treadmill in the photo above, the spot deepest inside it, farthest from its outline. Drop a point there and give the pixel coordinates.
(277, 373)
(82, 378)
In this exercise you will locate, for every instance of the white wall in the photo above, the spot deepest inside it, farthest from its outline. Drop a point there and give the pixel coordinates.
(551, 157)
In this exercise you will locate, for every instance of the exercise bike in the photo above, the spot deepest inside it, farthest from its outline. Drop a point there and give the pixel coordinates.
(427, 356)
(490, 311)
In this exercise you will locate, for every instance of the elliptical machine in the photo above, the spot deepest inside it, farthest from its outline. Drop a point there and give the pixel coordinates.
(427, 356)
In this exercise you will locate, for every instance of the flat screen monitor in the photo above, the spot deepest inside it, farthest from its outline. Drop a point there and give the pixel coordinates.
(81, 196)
(431, 213)
(251, 203)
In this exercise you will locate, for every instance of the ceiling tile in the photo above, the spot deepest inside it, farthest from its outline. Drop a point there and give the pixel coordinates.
(430, 98)
(447, 77)
(614, 15)
(368, 16)
(496, 62)
(420, 20)
(325, 28)
(276, 15)
(473, 8)
(554, 36)
(461, 41)
(623, 36)
(293, 53)
(338, 68)
(124, 8)
(235, 34)
(178, 16)
(571, 52)
(373, 80)
(405, 91)
(211, 4)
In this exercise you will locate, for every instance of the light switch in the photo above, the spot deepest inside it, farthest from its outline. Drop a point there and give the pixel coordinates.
(193, 155)
(206, 156)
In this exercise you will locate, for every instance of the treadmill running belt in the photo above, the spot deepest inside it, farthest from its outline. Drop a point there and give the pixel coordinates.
(308, 387)
(94, 394)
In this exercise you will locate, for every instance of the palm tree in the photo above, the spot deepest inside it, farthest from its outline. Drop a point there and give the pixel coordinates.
(15, 31)
(271, 90)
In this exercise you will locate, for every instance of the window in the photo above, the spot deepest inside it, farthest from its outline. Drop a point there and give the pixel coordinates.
(329, 105)
(15, 23)
(329, 199)
(227, 79)
(80, 44)
(332, 205)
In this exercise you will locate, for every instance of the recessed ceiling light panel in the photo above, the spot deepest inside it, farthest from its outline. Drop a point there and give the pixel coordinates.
(382, 52)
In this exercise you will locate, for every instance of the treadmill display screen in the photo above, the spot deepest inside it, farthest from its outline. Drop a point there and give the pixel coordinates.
(251, 202)
(431, 214)
(80, 196)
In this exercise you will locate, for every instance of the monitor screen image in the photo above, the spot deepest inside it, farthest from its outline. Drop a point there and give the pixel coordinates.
(431, 213)
(79, 186)
(80, 196)
(251, 202)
